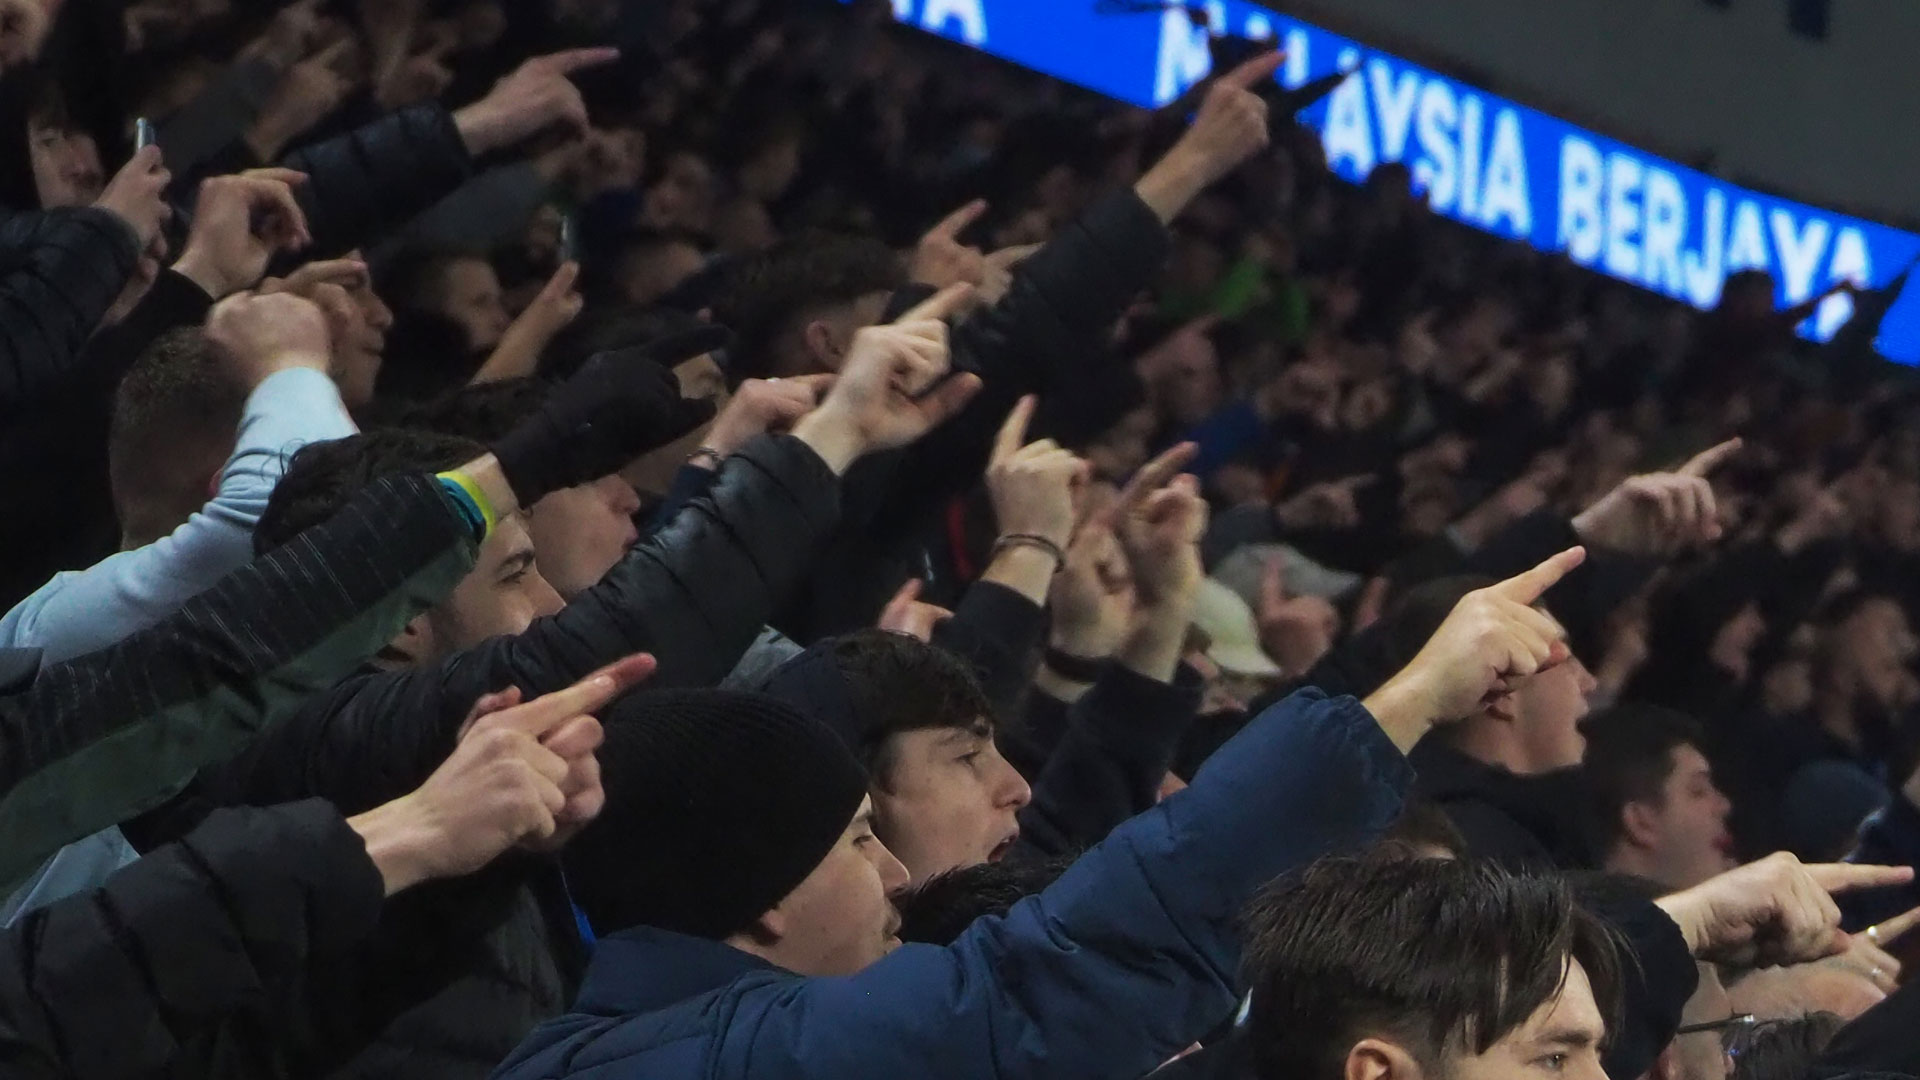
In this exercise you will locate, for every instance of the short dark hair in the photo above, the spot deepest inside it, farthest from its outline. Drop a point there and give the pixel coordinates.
(179, 404)
(322, 477)
(1436, 954)
(769, 292)
(1628, 759)
(946, 904)
(484, 412)
(1422, 824)
(897, 683)
(1783, 1049)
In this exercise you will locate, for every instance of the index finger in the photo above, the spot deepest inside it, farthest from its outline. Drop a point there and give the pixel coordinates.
(940, 305)
(956, 223)
(1845, 877)
(1893, 929)
(1529, 587)
(1013, 433)
(342, 272)
(562, 281)
(1156, 474)
(540, 715)
(1253, 71)
(571, 60)
(1710, 459)
(289, 177)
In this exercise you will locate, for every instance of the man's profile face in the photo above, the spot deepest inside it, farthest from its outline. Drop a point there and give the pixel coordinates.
(945, 799)
(1548, 707)
(1691, 822)
(502, 595)
(1560, 1041)
(841, 918)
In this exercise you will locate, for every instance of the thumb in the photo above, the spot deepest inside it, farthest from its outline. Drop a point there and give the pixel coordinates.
(906, 594)
(1013, 433)
(562, 282)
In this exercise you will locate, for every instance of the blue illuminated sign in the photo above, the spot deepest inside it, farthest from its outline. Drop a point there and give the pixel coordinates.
(1484, 161)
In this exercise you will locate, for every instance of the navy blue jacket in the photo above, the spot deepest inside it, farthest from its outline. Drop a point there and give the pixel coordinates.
(1123, 962)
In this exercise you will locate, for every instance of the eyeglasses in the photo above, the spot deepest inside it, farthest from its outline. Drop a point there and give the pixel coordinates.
(1730, 1024)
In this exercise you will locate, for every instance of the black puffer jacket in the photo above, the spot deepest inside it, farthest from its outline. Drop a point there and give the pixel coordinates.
(1047, 335)
(200, 937)
(377, 177)
(59, 273)
(463, 971)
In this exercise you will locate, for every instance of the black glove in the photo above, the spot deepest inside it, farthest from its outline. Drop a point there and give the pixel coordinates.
(618, 406)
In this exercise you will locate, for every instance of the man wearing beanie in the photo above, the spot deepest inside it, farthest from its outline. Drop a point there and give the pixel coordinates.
(717, 804)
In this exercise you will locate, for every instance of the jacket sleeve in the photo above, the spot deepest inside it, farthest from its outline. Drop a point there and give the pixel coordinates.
(59, 273)
(80, 612)
(375, 178)
(1120, 742)
(1126, 959)
(112, 734)
(696, 595)
(997, 631)
(1046, 334)
(115, 981)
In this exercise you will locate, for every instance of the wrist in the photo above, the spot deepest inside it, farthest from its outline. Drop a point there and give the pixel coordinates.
(485, 473)
(398, 842)
(1154, 650)
(196, 266)
(480, 128)
(1090, 642)
(1685, 913)
(1171, 184)
(1025, 568)
(1401, 708)
(833, 439)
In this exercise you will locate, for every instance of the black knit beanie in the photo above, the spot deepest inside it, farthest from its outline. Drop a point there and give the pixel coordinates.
(718, 805)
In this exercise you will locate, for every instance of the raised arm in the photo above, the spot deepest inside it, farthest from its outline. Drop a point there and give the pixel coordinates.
(279, 346)
(111, 734)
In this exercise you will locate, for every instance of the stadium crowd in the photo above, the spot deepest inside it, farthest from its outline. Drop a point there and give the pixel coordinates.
(721, 538)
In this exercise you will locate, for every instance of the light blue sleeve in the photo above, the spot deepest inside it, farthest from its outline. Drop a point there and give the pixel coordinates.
(79, 612)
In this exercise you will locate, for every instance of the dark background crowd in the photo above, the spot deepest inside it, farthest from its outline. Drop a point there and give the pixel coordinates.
(546, 537)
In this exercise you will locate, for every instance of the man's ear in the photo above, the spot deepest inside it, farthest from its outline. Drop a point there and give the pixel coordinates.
(823, 344)
(1638, 824)
(1376, 1059)
(410, 646)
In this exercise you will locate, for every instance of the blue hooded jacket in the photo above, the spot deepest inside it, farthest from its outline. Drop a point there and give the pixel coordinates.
(1123, 962)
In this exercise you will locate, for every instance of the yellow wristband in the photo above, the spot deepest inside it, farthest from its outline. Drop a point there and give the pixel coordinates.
(465, 483)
